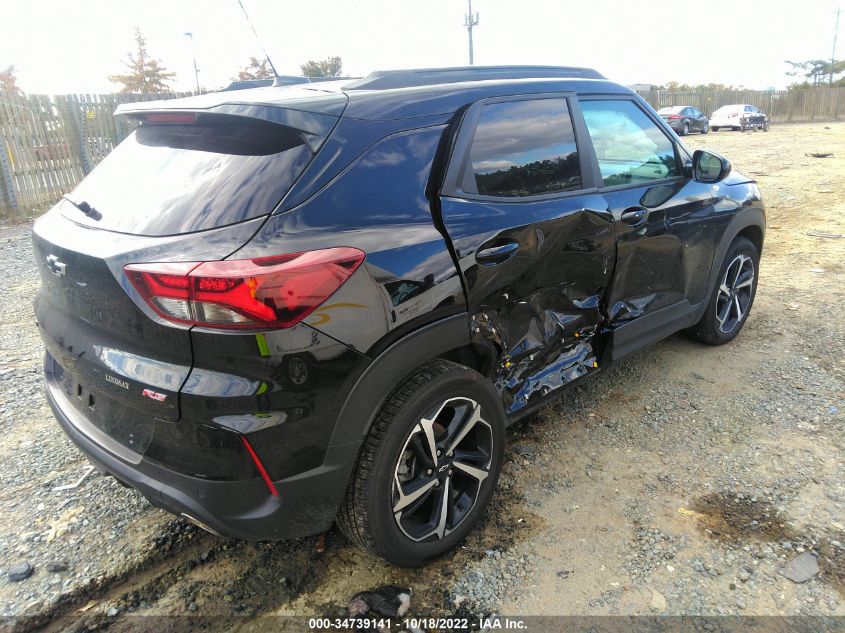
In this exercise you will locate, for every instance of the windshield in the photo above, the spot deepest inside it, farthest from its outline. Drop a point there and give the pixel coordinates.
(167, 179)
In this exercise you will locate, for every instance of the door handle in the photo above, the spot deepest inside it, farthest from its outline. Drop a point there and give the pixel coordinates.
(634, 216)
(497, 254)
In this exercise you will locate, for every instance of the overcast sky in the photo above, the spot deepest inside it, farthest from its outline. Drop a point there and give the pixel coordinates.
(61, 46)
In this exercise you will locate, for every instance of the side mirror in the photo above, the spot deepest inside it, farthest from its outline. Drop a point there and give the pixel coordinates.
(709, 167)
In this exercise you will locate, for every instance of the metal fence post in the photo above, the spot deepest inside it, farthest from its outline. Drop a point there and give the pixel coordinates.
(7, 183)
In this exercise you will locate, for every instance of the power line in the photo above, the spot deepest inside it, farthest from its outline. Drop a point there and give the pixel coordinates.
(469, 22)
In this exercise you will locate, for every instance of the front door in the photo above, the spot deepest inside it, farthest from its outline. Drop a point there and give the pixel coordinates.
(533, 241)
(663, 220)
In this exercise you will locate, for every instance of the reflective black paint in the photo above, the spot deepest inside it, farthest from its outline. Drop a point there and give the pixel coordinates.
(535, 293)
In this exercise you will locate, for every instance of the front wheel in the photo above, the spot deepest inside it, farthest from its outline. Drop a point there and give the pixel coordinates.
(706, 128)
(715, 128)
(732, 298)
(428, 467)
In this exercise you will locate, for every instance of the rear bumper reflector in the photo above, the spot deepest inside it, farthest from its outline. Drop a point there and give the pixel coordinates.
(270, 485)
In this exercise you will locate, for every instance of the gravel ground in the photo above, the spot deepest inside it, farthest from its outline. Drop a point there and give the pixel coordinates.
(686, 480)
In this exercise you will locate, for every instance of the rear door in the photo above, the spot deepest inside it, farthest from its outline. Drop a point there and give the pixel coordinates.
(533, 241)
(664, 222)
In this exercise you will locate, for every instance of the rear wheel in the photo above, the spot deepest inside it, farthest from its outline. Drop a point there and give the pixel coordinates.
(428, 466)
(685, 128)
(732, 298)
(715, 128)
(706, 128)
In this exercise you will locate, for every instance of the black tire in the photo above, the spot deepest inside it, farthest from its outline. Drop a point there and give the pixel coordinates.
(735, 128)
(711, 329)
(367, 516)
(765, 126)
(706, 128)
(684, 129)
(715, 128)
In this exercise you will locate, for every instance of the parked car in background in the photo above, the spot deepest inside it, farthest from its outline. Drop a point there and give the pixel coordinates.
(739, 116)
(273, 309)
(685, 119)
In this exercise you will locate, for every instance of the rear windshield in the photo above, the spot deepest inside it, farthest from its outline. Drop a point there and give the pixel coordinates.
(167, 178)
(670, 109)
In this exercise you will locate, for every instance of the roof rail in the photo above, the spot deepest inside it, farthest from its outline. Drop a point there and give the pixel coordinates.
(386, 79)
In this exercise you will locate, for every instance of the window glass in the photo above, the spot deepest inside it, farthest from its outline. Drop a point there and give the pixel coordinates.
(630, 148)
(170, 179)
(525, 148)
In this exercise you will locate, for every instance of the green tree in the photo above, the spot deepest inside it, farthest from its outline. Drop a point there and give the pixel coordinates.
(674, 85)
(329, 67)
(256, 70)
(8, 81)
(146, 75)
(817, 72)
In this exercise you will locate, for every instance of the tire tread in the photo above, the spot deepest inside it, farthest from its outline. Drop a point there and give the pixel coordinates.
(353, 518)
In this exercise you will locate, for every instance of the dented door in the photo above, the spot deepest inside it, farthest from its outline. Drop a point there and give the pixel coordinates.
(534, 245)
(539, 310)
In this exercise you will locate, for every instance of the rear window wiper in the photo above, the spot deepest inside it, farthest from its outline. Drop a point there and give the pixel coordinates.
(86, 208)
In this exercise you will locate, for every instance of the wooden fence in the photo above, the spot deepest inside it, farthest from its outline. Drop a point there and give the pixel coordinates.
(782, 106)
(48, 144)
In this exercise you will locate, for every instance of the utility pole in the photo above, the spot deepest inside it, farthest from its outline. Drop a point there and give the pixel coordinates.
(833, 54)
(194, 53)
(470, 21)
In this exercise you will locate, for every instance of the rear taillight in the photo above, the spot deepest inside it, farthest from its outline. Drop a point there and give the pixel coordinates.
(672, 117)
(268, 292)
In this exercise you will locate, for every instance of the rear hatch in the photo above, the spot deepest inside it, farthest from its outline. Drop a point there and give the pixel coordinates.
(190, 184)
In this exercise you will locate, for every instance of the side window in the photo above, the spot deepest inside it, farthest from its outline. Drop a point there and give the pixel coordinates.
(689, 112)
(525, 148)
(630, 148)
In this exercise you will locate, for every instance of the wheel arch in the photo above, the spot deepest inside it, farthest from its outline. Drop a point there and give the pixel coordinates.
(447, 338)
(749, 223)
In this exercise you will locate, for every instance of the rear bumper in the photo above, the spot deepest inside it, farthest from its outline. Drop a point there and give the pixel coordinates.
(307, 503)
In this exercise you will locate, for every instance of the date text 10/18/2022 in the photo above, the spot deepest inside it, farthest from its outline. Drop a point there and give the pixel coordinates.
(491, 623)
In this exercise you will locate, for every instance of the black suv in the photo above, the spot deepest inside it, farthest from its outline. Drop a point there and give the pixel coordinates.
(271, 309)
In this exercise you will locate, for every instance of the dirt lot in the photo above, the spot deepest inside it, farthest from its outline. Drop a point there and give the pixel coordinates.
(682, 481)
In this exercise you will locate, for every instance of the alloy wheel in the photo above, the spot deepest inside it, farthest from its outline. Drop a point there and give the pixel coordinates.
(734, 297)
(441, 469)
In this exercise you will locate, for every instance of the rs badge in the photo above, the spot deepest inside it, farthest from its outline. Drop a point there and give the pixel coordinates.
(155, 395)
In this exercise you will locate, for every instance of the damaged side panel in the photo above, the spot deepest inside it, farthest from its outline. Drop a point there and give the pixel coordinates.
(537, 312)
